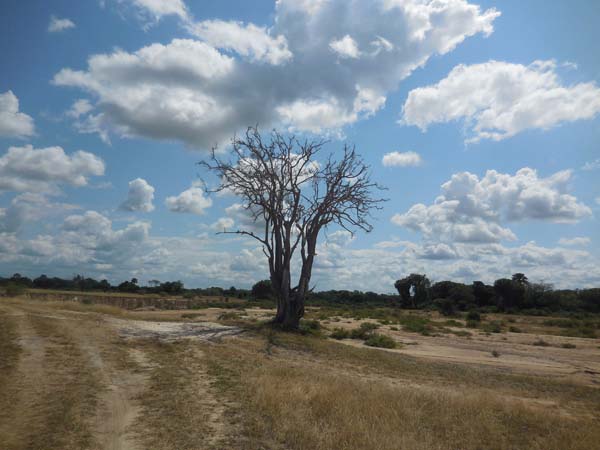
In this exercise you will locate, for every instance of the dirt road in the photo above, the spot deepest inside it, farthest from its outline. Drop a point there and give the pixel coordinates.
(77, 380)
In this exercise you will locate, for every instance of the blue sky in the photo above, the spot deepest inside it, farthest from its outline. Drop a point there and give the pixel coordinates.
(488, 113)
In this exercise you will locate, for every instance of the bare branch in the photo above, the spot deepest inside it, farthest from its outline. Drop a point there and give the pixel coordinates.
(281, 182)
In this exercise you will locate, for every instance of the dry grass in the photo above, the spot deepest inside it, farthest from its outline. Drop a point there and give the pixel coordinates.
(172, 415)
(10, 351)
(308, 410)
(305, 393)
(406, 367)
(54, 408)
(272, 390)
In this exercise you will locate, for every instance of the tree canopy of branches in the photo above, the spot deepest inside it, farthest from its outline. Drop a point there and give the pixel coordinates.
(291, 196)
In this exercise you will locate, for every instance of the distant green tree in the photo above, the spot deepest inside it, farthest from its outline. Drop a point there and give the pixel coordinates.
(262, 290)
(484, 294)
(520, 278)
(510, 294)
(414, 290)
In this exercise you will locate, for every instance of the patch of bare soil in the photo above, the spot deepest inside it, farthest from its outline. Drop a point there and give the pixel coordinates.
(172, 331)
(515, 352)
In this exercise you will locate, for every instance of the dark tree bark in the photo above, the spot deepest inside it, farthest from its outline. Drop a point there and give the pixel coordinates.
(291, 197)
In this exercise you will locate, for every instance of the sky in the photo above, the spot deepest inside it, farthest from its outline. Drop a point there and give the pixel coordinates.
(482, 120)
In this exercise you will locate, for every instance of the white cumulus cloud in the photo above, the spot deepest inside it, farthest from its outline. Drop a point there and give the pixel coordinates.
(12, 122)
(471, 209)
(153, 10)
(401, 159)
(139, 196)
(27, 169)
(247, 40)
(191, 200)
(201, 91)
(499, 99)
(345, 47)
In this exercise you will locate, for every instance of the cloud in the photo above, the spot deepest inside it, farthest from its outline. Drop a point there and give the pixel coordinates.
(340, 238)
(591, 165)
(26, 169)
(223, 224)
(12, 122)
(139, 196)
(191, 200)
(28, 208)
(345, 47)
(90, 243)
(472, 209)
(498, 100)
(201, 91)
(576, 241)
(57, 25)
(151, 11)
(85, 242)
(399, 159)
(248, 40)
(79, 108)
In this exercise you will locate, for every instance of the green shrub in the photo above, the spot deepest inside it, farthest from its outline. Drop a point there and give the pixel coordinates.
(380, 340)
(310, 327)
(473, 316)
(339, 333)
(514, 329)
(568, 345)
(445, 306)
(495, 353)
(415, 324)
(492, 327)
(364, 331)
(369, 326)
(541, 343)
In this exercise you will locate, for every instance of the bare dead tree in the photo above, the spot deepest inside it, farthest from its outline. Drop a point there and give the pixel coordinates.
(291, 197)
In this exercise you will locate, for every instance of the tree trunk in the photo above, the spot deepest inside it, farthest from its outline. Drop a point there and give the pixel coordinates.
(290, 309)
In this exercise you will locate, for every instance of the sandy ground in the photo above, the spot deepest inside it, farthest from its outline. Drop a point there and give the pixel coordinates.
(171, 331)
(516, 351)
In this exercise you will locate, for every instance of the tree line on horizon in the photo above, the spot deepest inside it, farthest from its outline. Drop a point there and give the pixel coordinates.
(415, 291)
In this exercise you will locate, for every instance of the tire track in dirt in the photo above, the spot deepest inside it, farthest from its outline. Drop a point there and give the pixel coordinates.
(216, 422)
(80, 385)
(122, 382)
(75, 386)
(28, 385)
